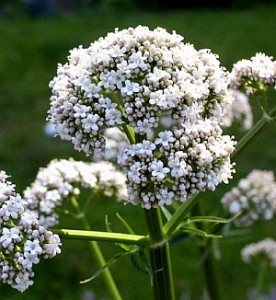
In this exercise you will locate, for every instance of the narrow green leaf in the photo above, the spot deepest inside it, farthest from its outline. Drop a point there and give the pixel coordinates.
(120, 245)
(210, 219)
(199, 232)
(166, 213)
(109, 263)
(107, 224)
(125, 224)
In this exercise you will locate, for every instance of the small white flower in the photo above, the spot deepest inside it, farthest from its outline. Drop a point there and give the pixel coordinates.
(9, 236)
(32, 247)
(130, 88)
(22, 282)
(81, 111)
(52, 247)
(165, 197)
(165, 137)
(158, 170)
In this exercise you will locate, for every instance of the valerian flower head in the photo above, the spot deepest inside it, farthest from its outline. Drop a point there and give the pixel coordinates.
(23, 240)
(265, 249)
(64, 178)
(238, 111)
(254, 74)
(178, 163)
(132, 77)
(254, 198)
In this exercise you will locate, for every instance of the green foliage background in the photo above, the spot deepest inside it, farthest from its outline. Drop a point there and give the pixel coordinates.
(29, 53)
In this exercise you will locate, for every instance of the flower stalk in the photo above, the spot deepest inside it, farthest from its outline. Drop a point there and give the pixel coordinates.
(96, 252)
(209, 260)
(255, 131)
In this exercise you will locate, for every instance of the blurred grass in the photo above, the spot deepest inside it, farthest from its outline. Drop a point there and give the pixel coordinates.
(29, 53)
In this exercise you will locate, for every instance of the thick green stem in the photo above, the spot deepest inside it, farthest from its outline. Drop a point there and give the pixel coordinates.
(98, 256)
(160, 259)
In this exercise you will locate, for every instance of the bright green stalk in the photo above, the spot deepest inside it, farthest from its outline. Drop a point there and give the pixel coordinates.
(102, 236)
(162, 277)
(96, 252)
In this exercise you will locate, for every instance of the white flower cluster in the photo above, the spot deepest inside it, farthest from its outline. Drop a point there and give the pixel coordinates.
(62, 178)
(177, 164)
(23, 240)
(131, 77)
(265, 249)
(239, 110)
(254, 74)
(254, 198)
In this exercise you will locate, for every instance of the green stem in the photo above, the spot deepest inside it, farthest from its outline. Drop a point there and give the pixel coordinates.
(261, 279)
(139, 240)
(255, 131)
(212, 271)
(210, 262)
(162, 278)
(96, 252)
(127, 129)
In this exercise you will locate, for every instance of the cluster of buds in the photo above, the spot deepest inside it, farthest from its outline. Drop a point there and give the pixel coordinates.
(265, 249)
(64, 178)
(254, 198)
(23, 240)
(254, 74)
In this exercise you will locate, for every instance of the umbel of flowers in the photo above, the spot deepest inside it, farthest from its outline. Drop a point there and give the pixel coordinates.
(64, 178)
(254, 74)
(254, 198)
(23, 240)
(132, 78)
(264, 249)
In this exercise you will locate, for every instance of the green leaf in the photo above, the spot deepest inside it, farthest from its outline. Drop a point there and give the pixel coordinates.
(109, 263)
(166, 213)
(107, 224)
(125, 224)
(209, 219)
(199, 232)
(108, 228)
(140, 258)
